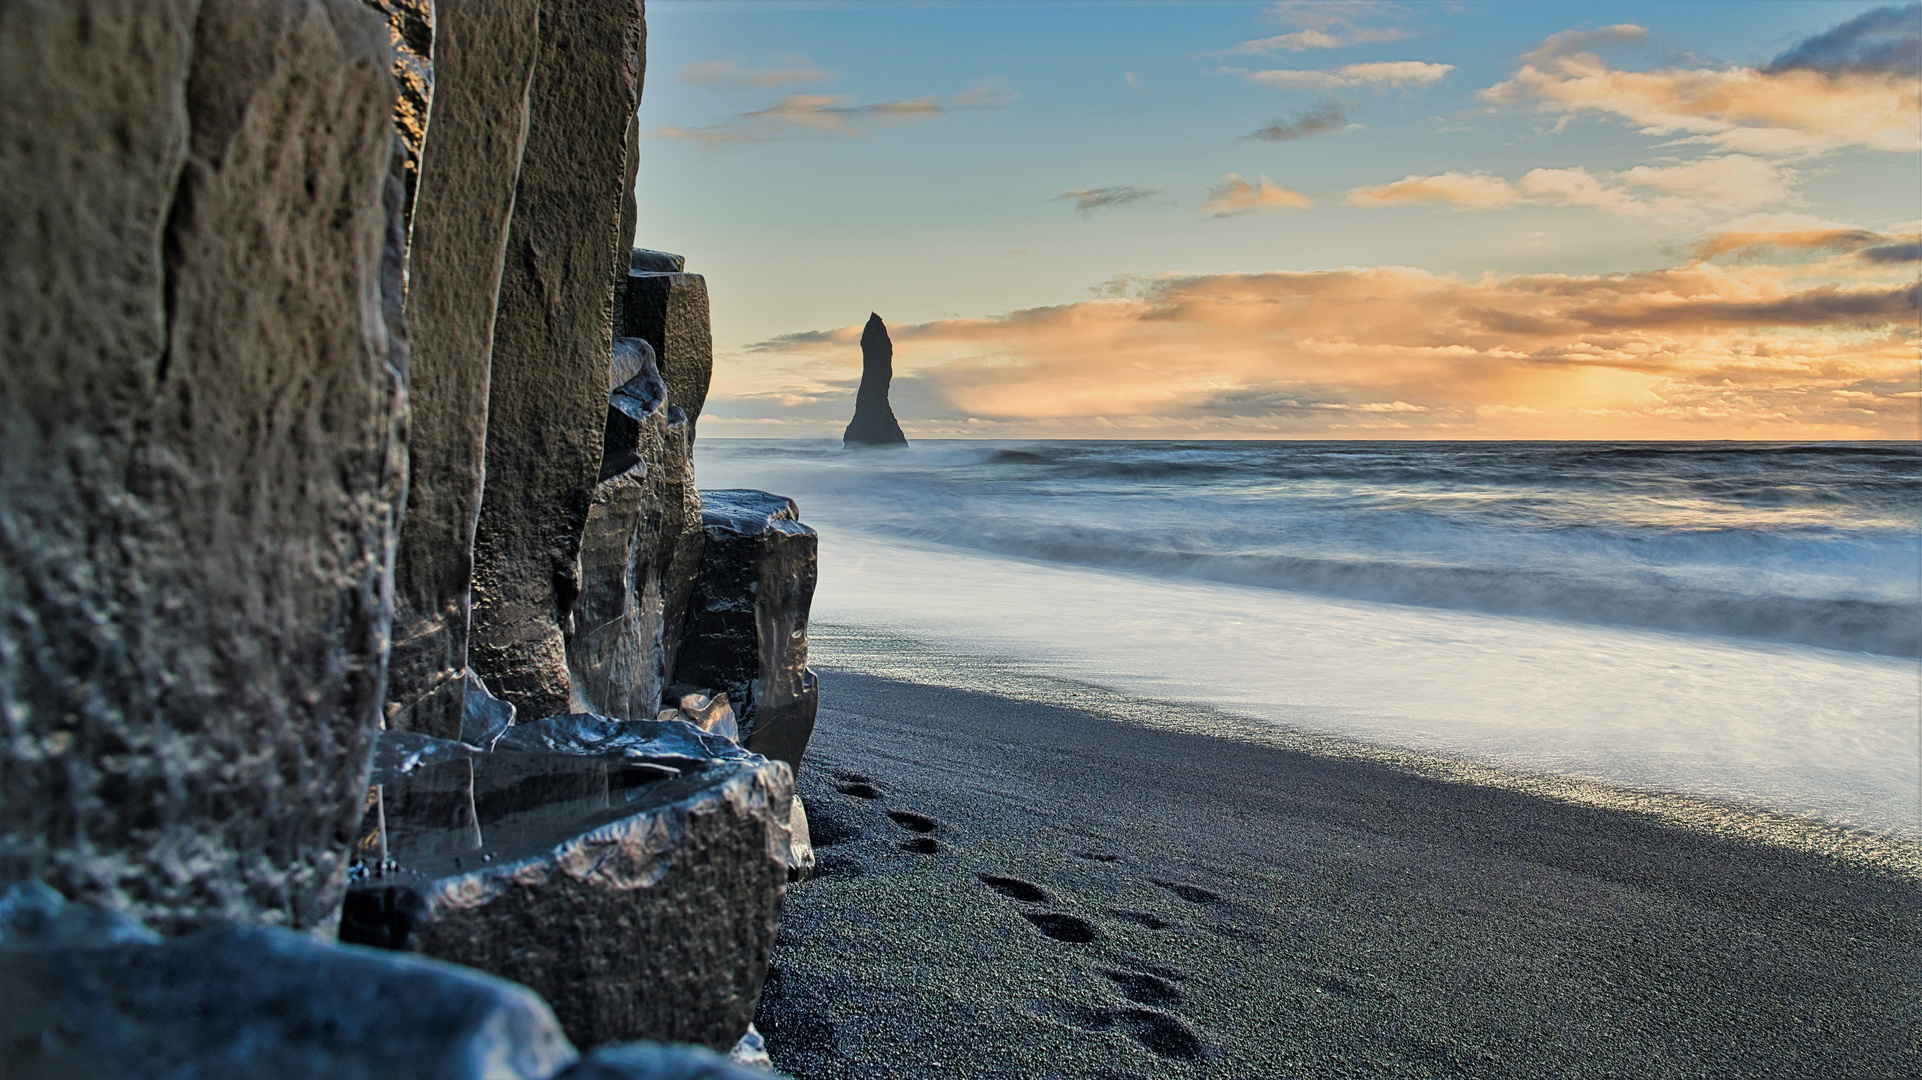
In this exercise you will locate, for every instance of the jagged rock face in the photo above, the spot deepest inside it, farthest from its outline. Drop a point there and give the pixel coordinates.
(469, 164)
(549, 386)
(410, 30)
(632, 557)
(629, 872)
(241, 1003)
(874, 423)
(668, 309)
(202, 450)
(747, 623)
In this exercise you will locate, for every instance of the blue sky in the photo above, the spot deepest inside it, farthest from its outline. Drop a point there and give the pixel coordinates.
(1060, 209)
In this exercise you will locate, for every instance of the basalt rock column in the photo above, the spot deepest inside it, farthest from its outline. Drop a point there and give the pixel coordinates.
(484, 59)
(874, 423)
(747, 624)
(668, 309)
(201, 456)
(553, 335)
(617, 650)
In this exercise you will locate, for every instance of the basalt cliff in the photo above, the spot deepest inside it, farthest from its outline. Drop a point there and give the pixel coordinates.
(381, 695)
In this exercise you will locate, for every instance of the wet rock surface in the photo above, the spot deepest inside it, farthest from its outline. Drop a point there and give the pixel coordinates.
(554, 332)
(238, 1003)
(648, 1061)
(747, 623)
(202, 478)
(639, 548)
(629, 872)
(874, 423)
(468, 167)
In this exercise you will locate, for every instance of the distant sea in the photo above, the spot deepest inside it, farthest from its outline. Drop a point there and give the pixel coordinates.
(1739, 621)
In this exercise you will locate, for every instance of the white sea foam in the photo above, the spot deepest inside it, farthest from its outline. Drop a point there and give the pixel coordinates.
(1783, 726)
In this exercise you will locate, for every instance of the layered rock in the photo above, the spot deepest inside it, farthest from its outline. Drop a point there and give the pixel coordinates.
(747, 623)
(469, 164)
(874, 423)
(549, 385)
(202, 449)
(629, 872)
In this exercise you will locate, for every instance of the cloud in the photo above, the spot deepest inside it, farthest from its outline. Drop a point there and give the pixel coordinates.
(1236, 196)
(1718, 183)
(1695, 351)
(1328, 25)
(1886, 40)
(988, 93)
(1893, 253)
(1326, 116)
(1380, 74)
(1087, 199)
(1132, 80)
(1761, 234)
(728, 72)
(805, 115)
(1789, 108)
(834, 116)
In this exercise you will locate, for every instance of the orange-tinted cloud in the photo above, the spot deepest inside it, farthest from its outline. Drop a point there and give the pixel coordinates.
(1237, 196)
(1779, 110)
(1721, 183)
(1696, 351)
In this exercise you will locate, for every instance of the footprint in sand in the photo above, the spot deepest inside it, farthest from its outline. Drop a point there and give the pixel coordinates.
(916, 823)
(1143, 988)
(1194, 894)
(860, 789)
(1161, 1034)
(1058, 925)
(1015, 889)
(1097, 856)
(1142, 918)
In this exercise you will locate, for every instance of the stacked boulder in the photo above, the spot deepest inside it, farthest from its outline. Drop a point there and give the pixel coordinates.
(343, 426)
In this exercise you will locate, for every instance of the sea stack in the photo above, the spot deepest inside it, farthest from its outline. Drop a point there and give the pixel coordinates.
(874, 423)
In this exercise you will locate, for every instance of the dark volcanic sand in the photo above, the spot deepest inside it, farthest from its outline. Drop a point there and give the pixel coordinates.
(1027, 890)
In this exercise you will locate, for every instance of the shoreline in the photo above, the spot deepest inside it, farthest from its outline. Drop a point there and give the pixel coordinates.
(1104, 896)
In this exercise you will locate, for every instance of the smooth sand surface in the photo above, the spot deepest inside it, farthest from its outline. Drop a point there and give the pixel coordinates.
(1015, 889)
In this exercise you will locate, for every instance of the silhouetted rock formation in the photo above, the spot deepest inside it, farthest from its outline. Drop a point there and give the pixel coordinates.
(874, 423)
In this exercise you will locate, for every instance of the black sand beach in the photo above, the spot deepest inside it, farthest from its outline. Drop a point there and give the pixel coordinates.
(1018, 889)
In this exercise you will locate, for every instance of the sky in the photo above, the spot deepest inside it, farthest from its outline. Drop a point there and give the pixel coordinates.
(1345, 219)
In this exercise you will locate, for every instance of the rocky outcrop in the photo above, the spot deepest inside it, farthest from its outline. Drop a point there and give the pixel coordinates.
(637, 561)
(468, 169)
(747, 624)
(230, 249)
(874, 423)
(549, 385)
(629, 872)
(202, 448)
(668, 310)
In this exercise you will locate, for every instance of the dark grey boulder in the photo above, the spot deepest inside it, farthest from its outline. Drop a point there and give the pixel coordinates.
(657, 261)
(669, 310)
(200, 483)
(468, 166)
(240, 1003)
(631, 873)
(652, 1061)
(874, 423)
(746, 632)
(553, 334)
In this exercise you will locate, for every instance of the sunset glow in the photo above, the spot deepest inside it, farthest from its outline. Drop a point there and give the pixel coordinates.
(1643, 221)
